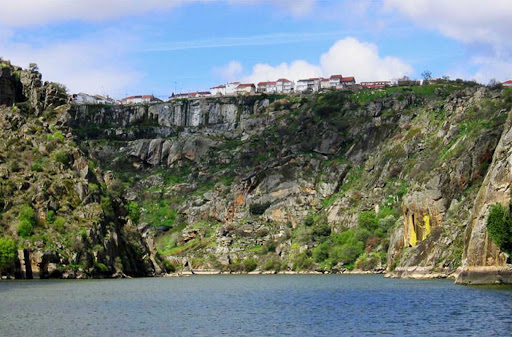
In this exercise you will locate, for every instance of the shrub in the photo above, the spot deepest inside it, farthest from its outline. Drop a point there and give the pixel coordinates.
(7, 253)
(37, 167)
(25, 228)
(499, 226)
(133, 210)
(59, 223)
(169, 266)
(26, 221)
(250, 264)
(50, 216)
(62, 157)
(367, 261)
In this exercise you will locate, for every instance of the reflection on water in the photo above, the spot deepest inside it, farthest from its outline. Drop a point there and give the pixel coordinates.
(277, 305)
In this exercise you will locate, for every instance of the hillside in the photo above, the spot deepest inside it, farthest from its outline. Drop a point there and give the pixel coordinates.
(398, 180)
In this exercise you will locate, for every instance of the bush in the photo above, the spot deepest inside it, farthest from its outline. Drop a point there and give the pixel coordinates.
(59, 223)
(169, 266)
(7, 253)
(250, 264)
(499, 226)
(26, 221)
(62, 157)
(25, 228)
(37, 167)
(367, 261)
(133, 210)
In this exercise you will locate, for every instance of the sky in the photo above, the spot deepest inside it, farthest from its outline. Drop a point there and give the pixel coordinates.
(130, 47)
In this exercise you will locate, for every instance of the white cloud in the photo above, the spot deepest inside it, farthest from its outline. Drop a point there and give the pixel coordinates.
(82, 65)
(230, 71)
(349, 57)
(21, 13)
(468, 21)
(484, 26)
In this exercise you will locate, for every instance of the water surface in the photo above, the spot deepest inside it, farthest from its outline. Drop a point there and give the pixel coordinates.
(277, 305)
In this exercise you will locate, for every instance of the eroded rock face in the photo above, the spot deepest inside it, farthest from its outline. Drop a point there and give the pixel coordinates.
(483, 261)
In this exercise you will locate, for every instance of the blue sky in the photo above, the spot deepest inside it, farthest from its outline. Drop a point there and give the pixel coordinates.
(125, 47)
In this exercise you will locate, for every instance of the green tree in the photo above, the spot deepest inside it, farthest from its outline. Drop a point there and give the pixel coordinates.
(26, 222)
(499, 226)
(7, 253)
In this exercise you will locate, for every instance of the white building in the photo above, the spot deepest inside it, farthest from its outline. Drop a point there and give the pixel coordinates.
(347, 82)
(284, 86)
(507, 84)
(83, 98)
(335, 81)
(140, 99)
(325, 84)
(246, 89)
(231, 88)
(219, 90)
(310, 84)
(267, 87)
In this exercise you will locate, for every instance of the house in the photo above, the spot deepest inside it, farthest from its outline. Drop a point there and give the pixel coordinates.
(325, 84)
(219, 90)
(310, 84)
(104, 100)
(302, 85)
(284, 86)
(140, 99)
(507, 84)
(335, 81)
(375, 84)
(267, 87)
(83, 98)
(246, 89)
(231, 88)
(347, 82)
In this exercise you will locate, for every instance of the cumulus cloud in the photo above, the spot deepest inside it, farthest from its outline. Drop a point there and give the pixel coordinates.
(484, 26)
(230, 71)
(82, 65)
(466, 20)
(349, 57)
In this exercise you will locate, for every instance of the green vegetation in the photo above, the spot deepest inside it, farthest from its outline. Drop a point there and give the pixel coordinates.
(62, 157)
(8, 252)
(159, 214)
(133, 210)
(499, 226)
(26, 222)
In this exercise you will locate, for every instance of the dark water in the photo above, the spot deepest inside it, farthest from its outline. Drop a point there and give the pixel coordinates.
(253, 306)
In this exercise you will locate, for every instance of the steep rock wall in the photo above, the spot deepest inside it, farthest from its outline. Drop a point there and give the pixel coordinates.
(483, 261)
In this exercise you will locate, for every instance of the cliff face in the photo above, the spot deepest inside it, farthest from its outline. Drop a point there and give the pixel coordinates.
(63, 213)
(337, 181)
(397, 180)
(483, 261)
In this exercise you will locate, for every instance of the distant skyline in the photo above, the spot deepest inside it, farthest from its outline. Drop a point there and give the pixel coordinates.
(130, 47)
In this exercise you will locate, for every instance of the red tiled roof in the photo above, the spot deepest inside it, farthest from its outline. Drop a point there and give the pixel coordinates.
(315, 79)
(246, 85)
(147, 96)
(508, 82)
(325, 80)
(348, 79)
(333, 77)
(266, 83)
(283, 80)
(219, 87)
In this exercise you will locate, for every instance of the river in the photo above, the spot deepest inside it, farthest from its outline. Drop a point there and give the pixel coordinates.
(250, 305)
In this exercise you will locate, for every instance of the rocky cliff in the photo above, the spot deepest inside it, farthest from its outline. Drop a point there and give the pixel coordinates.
(64, 216)
(329, 182)
(398, 180)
